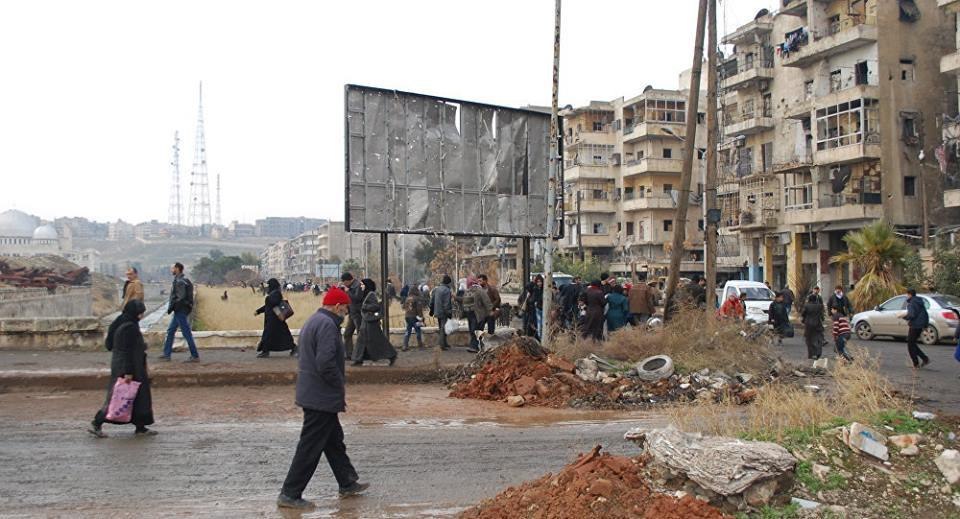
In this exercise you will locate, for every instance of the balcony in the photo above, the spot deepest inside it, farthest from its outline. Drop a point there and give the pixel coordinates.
(835, 208)
(800, 109)
(837, 40)
(650, 130)
(746, 73)
(794, 7)
(851, 93)
(596, 240)
(648, 203)
(749, 32)
(950, 64)
(606, 136)
(652, 165)
(590, 205)
(748, 123)
(852, 153)
(575, 171)
(794, 163)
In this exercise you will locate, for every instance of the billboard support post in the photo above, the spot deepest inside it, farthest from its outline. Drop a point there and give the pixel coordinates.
(384, 273)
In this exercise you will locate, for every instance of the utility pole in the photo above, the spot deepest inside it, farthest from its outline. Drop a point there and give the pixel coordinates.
(552, 184)
(710, 202)
(680, 220)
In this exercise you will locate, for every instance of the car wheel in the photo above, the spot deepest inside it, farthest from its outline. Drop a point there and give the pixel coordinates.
(864, 333)
(929, 336)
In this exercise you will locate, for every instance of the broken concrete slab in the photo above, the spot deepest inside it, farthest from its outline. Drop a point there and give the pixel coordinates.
(867, 440)
(515, 401)
(949, 464)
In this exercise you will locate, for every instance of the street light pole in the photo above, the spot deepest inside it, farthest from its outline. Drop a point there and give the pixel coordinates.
(552, 183)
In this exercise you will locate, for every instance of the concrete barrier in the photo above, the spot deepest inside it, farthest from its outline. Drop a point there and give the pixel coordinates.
(66, 302)
(70, 333)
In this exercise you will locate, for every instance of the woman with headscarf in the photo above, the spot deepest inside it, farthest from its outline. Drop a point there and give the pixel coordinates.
(276, 333)
(594, 320)
(618, 309)
(532, 303)
(129, 362)
(372, 343)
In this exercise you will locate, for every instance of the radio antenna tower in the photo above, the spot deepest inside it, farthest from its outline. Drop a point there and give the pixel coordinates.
(174, 215)
(199, 183)
(219, 221)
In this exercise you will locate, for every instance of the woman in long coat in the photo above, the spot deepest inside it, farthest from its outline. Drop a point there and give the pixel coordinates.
(593, 323)
(129, 361)
(812, 319)
(618, 309)
(372, 343)
(276, 333)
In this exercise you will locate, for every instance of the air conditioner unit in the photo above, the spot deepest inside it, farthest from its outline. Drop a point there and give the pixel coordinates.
(615, 159)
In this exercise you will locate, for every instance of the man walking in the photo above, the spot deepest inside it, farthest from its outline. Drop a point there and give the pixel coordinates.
(494, 295)
(840, 302)
(321, 392)
(481, 308)
(917, 319)
(181, 304)
(354, 290)
(132, 287)
(441, 307)
(642, 303)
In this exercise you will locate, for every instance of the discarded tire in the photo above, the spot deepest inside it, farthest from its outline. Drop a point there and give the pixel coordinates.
(655, 368)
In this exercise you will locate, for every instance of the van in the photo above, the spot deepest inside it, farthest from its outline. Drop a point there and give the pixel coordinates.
(757, 301)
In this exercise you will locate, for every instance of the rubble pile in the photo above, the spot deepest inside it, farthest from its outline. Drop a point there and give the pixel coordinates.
(596, 485)
(26, 277)
(521, 373)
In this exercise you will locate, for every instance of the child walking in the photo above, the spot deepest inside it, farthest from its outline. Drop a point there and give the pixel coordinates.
(841, 333)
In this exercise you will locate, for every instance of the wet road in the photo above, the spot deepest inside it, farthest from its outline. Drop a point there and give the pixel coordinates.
(226, 455)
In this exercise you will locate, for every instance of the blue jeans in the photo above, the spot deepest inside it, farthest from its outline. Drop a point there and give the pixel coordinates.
(412, 325)
(182, 321)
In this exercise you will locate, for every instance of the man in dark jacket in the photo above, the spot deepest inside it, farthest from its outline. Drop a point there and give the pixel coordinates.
(181, 304)
(321, 392)
(917, 319)
(495, 302)
(698, 293)
(441, 307)
(839, 301)
(354, 290)
(780, 317)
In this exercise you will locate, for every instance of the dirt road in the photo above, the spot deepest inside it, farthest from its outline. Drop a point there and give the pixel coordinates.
(224, 452)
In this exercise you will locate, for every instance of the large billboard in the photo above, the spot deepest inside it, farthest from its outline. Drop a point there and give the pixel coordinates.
(421, 164)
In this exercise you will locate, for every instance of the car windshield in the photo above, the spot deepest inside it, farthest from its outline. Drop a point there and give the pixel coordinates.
(757, 293)
(947, 301)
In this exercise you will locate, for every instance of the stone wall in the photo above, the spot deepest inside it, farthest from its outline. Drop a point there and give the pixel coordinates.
(30, 303)
(77, 333)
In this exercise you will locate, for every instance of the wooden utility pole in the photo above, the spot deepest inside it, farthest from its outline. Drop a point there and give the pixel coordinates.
(690, 155)
(552, 183)
(710, 239)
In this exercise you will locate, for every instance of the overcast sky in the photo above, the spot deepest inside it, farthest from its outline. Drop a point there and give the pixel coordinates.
(92, 91)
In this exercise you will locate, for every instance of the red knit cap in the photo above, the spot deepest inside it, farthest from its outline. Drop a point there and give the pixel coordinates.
(336, 296)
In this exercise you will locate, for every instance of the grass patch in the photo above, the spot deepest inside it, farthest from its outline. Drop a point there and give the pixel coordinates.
(903, 423)
(790, 511)
(812, 483)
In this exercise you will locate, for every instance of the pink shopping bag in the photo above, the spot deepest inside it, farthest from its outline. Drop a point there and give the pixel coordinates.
(121, 401)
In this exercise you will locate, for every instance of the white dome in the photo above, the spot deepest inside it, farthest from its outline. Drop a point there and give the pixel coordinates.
(15, 223)
(45, 232)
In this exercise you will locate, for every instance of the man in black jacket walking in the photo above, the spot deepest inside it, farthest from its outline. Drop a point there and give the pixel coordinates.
(181, 304)
(321, 392)
(917, 319)
(354, 290)
(839, 301)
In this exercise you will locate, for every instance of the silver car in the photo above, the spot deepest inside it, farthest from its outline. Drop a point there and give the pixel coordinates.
(887, 319)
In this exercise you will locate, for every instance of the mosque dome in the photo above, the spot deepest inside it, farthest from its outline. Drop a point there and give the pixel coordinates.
(18, 224)
(45, 232)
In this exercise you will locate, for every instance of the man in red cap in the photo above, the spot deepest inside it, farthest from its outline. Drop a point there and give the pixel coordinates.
(321, 392)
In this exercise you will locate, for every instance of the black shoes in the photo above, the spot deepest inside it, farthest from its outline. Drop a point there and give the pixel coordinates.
(293, 352)
(358, 363)
(263, 354)
(355, 489)
(924, 362)
(289, 502)
(473, 349)
(96, 430)
(392, 360)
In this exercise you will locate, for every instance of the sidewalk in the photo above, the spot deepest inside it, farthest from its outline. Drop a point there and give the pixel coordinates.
(28, 370)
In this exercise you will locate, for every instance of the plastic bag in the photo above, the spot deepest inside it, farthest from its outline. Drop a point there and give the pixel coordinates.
(451, 327)
(120, 409)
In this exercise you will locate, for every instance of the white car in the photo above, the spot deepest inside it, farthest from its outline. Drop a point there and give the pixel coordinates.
(887, 319)
(758, 298)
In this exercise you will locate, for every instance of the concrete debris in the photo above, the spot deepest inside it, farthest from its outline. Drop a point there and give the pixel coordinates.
(515, 401)
(811, 388)
(805, 504)
(949, 464)
(823, 363)
(866, 440)
(560, 363)
(727, 467)
(588, 370)
(912, 450)
(902, 441)
(820, 471)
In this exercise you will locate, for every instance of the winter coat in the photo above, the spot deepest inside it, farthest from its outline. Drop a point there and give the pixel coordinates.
(779, 315)
(917, 317)
(321, 379)
(132, 290)
(412, 306)
(373, 343)
(276, 333)
(481, 303)
(618, 309)
(642, 300)
(441, 303)
(812, 316)
(732, 308)
(495, 300)
(841, 303)
(129, 357)
(788, 298)
(355, 291)
(698, 294)
(181, 296)
(593, 323)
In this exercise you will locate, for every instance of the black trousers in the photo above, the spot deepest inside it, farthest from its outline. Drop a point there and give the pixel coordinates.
(814, 340)
(353, 325)
(321, 434)
(491, 323)
(442, 323)
(916, 354)
(473, 326)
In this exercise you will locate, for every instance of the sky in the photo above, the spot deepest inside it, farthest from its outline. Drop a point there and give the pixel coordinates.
(92, 92)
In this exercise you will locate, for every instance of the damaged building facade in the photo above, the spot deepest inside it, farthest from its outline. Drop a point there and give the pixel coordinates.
(948, 156)
(831, 113)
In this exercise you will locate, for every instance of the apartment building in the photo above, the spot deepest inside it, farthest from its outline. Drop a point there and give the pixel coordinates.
(948, 157)
(334, 244)
(273, 261)
(622, 164)
(826, 106)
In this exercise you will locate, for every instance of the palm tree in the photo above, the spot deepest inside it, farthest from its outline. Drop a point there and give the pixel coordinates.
(879, 253)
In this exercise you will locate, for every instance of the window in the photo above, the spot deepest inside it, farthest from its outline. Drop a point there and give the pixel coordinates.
(909, 12)
(668, 226)
(909, 186)
(700, 224)
(639, 154)
(907, 70)
(667, 189)
(619, 226)
(629, 228)
(847, 123)
(808, 90)
(894, 305)
(766, 155)
(628, 193)
(836, 80)
(862, 73)
(599, 228)
(664, 111)
(910, 123)
(701, 118)
(767, 101)
(667, 153)
(597, 126)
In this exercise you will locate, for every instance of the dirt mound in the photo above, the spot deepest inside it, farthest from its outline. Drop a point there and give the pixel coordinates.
(596, 485)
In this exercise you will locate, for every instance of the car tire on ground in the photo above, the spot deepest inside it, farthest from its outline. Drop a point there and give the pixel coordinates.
(863, 330)
(929, 336)
(655, 368)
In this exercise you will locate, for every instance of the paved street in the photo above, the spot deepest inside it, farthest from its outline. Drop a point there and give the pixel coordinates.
(936, 386)
(224, 452)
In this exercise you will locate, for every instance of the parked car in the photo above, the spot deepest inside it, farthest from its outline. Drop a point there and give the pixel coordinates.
(758, 298)
(887, 319)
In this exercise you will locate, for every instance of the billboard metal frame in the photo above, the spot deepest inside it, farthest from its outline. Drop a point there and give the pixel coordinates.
(559, 227)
